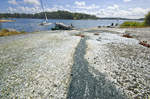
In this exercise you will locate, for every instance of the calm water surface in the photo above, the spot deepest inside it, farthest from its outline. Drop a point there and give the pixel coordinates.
(32, 25)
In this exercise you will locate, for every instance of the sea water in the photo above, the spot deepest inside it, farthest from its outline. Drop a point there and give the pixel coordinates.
(32, 25)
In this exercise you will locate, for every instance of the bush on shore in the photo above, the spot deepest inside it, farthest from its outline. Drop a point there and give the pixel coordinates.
(6, 32)
(132, 24)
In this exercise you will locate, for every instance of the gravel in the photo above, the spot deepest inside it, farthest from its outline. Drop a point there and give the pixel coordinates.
(37, 65)
(125, 63)
(54, 65)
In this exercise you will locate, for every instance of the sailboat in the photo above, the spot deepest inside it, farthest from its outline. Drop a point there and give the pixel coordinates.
(44, 23)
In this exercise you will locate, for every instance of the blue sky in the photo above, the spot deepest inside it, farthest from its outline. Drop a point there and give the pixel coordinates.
(101, 8)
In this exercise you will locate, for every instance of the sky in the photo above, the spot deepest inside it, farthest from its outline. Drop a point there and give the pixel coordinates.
(100, 8)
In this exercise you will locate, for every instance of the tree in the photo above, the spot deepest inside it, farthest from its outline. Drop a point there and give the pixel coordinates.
(147, 19)
(50, 15)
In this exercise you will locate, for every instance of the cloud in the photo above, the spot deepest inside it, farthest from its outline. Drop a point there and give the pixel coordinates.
(115, 6)
(14, 2)
(30, 9)
(109, 11)
(33, 2)
(12, 10)
(139, 11)
(82, 5)
(78, 3)
(126, 0)
(90, 7)
(114, 11)
(57, 7)
(23, 9)
(35, 9)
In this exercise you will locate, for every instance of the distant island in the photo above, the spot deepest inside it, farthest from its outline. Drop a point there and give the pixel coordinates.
(59, 15)
(50, 15)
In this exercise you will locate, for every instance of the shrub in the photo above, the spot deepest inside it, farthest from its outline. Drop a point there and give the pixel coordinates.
(147, 19)
(132, 24)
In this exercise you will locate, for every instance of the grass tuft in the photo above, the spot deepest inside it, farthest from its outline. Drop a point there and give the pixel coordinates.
(6, 32)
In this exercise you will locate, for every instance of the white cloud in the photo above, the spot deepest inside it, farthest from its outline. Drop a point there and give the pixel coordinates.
(82, 5)
(139, 11)
(78, 3)
(35, 9)
(12, 10)
(113, 11)
(115, 6)
(126, 0)
(30, 9)
(110, 11)
(33, 2)
(56, 8)
(14, 2)
(23, 9)
(90, 7)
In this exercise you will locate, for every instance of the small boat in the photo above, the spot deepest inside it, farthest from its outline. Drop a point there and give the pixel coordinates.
(45, 23)
(62, 26)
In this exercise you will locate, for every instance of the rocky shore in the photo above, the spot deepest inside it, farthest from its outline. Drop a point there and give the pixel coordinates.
(98, 63)
(122, 60)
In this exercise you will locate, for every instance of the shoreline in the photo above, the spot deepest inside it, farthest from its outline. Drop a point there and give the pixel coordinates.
(2, 21)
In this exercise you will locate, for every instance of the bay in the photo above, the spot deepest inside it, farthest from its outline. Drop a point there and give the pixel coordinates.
(32, 25)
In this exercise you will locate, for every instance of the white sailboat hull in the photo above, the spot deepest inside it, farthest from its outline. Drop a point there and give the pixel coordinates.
(45, 24)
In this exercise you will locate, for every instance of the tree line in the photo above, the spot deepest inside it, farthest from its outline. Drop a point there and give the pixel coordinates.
(50, 15)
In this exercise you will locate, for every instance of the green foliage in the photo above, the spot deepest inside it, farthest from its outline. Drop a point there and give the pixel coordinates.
(147, 19)
(132, 24)
(50, 15)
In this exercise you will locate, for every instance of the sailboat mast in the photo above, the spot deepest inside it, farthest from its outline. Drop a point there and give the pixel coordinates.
(42, 5)
(46, 17)
(43, 10)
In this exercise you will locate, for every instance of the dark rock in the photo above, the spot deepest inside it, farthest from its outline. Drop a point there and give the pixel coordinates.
(71, 74)
(55, 85)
